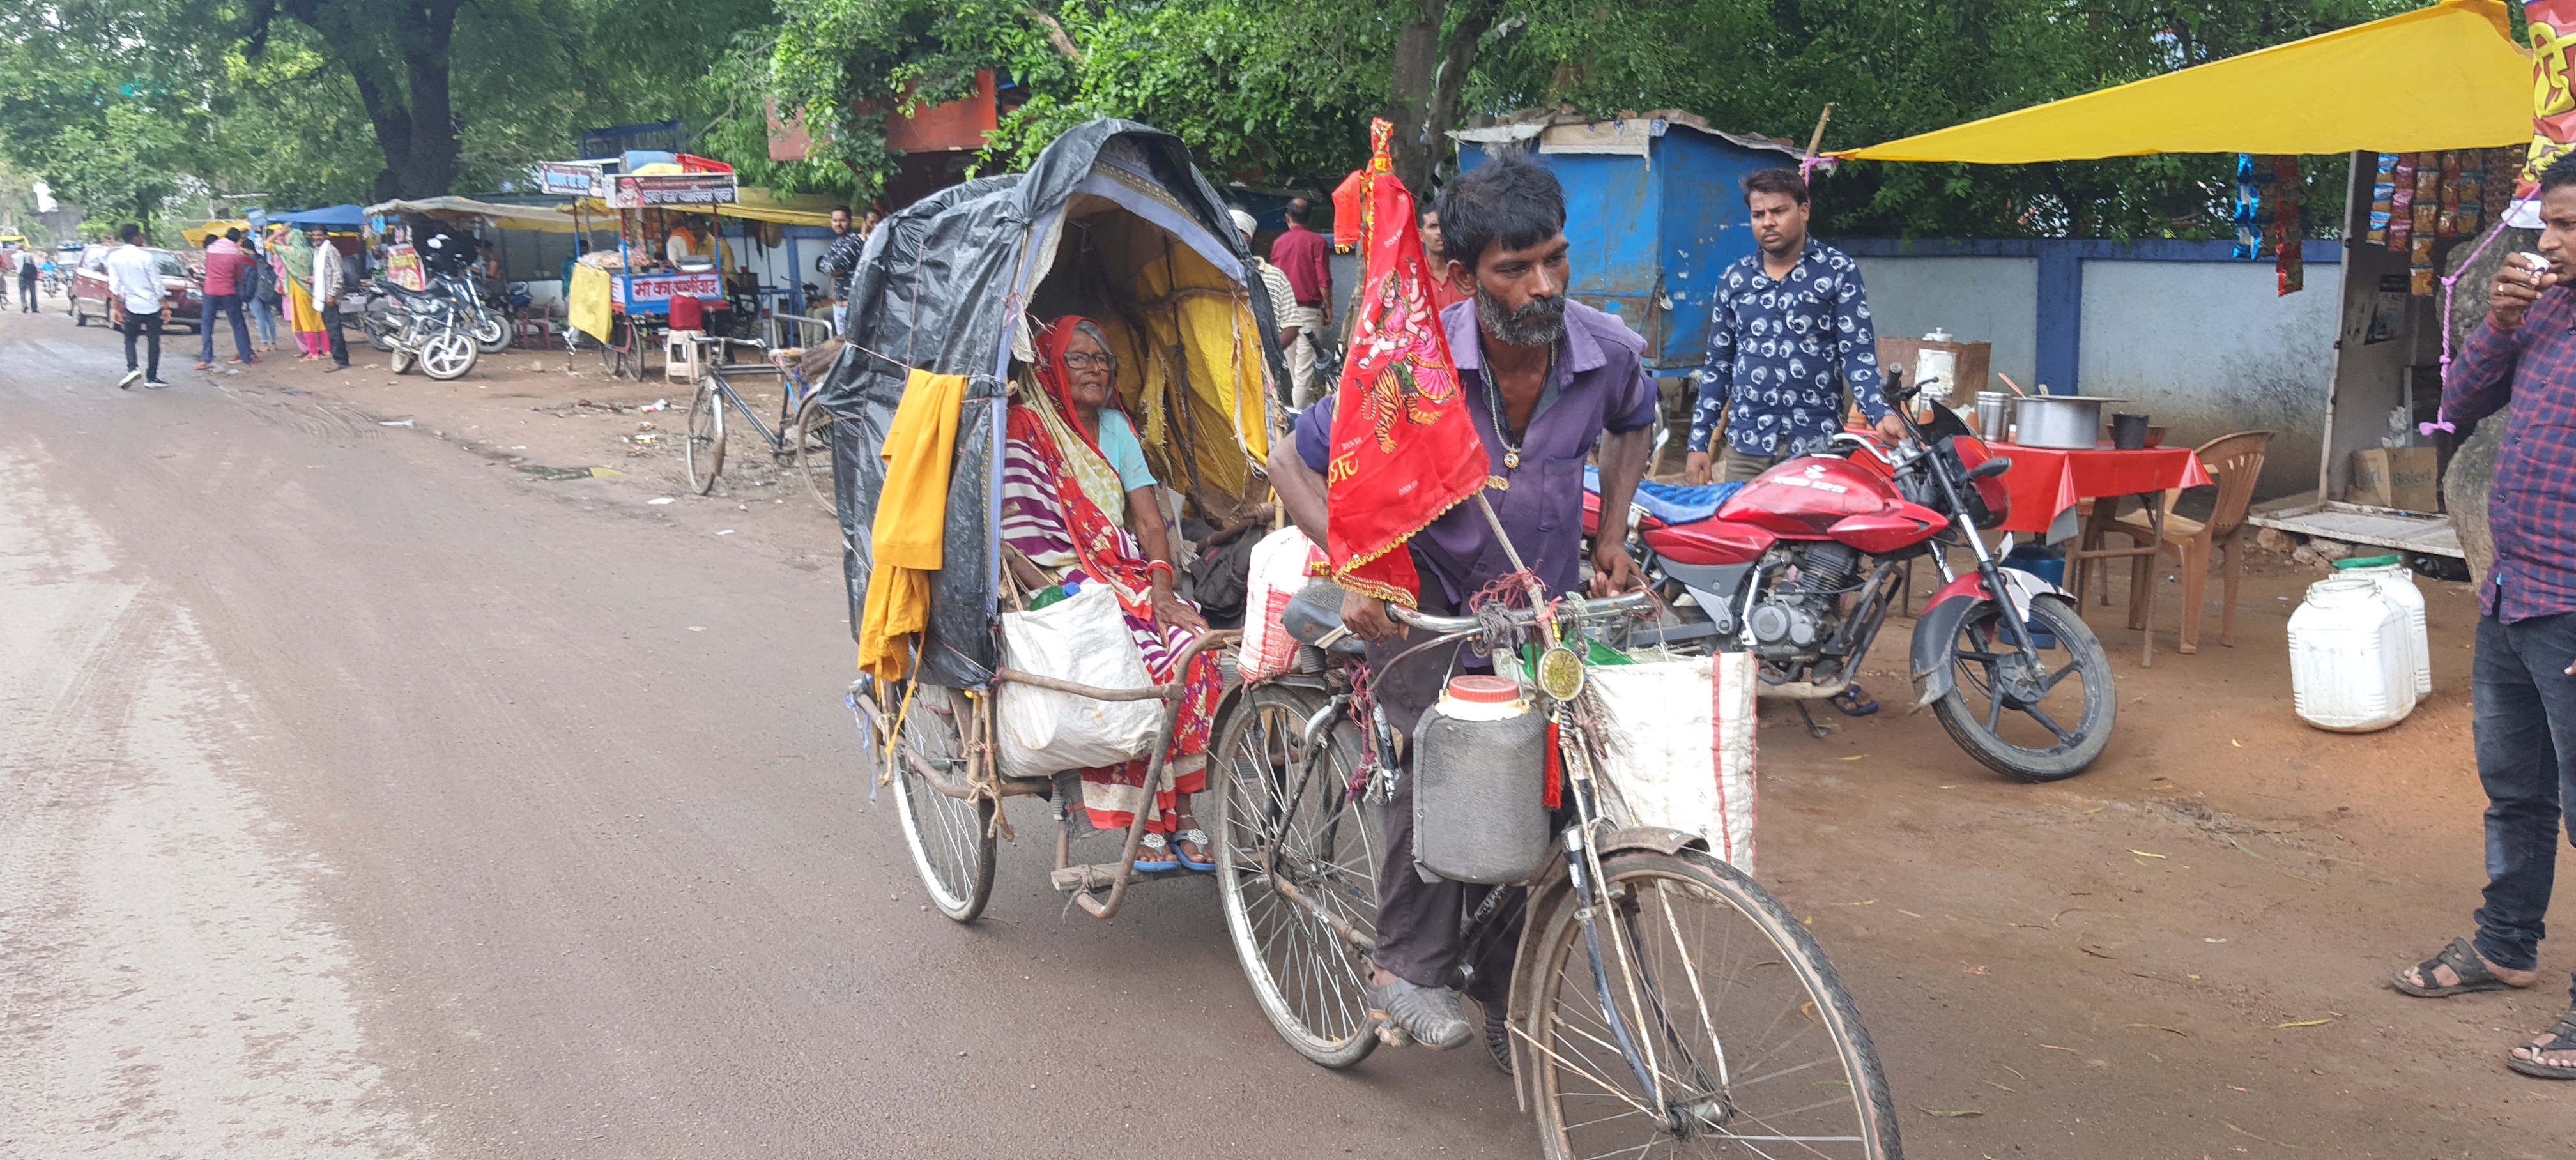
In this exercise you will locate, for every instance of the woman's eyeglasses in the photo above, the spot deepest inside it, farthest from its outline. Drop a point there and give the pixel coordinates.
(1080, 361)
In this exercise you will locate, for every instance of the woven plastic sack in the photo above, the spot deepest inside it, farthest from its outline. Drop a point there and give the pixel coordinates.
(1679, 747)
(1278, 573)
(1082, 638)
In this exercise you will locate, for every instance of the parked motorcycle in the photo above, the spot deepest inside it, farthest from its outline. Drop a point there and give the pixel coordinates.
(431, 329)
(490, 326)
(1801, 565)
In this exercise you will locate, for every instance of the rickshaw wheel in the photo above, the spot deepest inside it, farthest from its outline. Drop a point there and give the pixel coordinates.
(951, 839)
(1276, 809)
(814, 452)
(704, 451)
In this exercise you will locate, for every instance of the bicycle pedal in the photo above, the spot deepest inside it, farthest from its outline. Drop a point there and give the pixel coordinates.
(1391, 1033)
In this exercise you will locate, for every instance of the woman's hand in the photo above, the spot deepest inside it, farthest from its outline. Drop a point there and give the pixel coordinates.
(1171, 611)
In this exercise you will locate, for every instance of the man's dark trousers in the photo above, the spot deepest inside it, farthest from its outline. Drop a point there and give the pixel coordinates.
(224, 304)
(2526, 740)
(1418, 939)
(339, 345)
(143, 325)
(27, 289)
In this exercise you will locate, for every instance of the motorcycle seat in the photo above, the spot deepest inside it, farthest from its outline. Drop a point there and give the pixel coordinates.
(1314, 613)
(401, 294)
(1672, 503)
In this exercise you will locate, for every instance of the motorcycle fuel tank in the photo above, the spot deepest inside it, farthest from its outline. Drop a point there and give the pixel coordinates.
(1805, 497)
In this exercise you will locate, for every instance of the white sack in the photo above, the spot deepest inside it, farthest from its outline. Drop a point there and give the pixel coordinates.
(1278, 574)
(1082, 638)
(1678, 737)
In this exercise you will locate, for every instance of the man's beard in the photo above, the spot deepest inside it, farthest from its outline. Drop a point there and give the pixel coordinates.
(1540, 323)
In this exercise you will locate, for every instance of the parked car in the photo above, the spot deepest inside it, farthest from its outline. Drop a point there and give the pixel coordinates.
(185, 288)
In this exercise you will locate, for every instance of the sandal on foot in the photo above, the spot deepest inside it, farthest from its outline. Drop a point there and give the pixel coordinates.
(1855, 702)
(2464, 961)
(1152, 854)
(2561, 1037)
(1498, 1037)
(1195, 837)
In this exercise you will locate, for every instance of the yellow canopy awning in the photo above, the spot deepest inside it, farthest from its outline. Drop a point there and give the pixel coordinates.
(197, 234)
(2443, 77)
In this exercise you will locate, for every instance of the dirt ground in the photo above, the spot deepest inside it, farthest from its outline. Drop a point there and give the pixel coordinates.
(2181, 953)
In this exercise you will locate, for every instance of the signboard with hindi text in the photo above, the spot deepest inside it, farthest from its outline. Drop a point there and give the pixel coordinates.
(671, 189)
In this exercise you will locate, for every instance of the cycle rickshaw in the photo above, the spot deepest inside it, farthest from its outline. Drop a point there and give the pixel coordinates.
(1662, 1003)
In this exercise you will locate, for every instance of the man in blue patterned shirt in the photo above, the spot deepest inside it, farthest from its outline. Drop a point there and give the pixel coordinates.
(1790, 329)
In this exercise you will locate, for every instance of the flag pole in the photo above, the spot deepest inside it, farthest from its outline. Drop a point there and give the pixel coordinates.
(1538, 595)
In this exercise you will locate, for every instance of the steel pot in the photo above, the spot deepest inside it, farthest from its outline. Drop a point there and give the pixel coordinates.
(2068, 422)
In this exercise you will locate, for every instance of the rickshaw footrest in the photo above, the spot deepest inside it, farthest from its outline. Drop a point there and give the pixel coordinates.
(1103, 875)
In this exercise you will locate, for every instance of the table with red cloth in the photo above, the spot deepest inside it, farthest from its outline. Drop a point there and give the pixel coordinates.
(2047, 482)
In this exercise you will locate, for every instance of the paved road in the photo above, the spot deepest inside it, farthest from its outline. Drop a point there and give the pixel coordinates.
(360, 799)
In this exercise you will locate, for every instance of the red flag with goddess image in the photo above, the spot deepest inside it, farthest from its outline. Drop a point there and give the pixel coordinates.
(1403, 448)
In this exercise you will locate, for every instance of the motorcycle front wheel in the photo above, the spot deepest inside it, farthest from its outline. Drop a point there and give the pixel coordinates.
(491, 333)
(2046, 723)
(448, 356)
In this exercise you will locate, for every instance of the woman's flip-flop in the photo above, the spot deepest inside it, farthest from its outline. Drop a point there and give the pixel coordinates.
(2464, 961)
(1194, 837)
(1854, 702)
(2562, 1037)
(1152, 853)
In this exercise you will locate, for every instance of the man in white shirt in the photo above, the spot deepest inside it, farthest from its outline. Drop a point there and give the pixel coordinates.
(138, 303)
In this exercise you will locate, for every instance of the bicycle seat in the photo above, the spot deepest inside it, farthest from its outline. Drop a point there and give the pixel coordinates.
(1314, 613)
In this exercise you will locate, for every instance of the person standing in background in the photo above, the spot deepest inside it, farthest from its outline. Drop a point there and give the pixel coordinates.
(1283, 298)
(1306, 257)
(839, 261)
(28, 271)
(1789, 331)
(225, 264)
(259, 292)
(330, 283)
(137, 303)
(1443, 291)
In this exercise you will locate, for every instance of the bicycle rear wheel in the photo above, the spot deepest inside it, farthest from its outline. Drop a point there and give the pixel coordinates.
(1286, 831)
(1727, 1001)
(951, 838)
(813, 435)
(702, 454)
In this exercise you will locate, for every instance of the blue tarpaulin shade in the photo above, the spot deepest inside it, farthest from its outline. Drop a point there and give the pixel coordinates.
(330, 215)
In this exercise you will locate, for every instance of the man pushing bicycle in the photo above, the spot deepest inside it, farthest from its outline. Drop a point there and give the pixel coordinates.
(1544, 379)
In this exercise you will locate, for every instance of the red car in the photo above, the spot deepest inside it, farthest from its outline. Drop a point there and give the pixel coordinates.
(89, 288)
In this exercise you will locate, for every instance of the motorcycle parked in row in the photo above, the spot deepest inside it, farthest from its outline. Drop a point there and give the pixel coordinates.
(1801, 565)
(430, 328)
(381, 314)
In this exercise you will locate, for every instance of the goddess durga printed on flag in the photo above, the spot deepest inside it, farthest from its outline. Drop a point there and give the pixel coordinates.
(1404, 450)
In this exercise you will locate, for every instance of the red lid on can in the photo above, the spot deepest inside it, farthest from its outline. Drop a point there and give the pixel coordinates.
(1484, 689)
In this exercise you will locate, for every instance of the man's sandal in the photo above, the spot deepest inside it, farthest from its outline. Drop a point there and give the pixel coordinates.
(2562, 1037)
(2464, 961)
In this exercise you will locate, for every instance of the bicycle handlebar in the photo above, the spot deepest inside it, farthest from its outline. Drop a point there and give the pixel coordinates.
(1605, 608)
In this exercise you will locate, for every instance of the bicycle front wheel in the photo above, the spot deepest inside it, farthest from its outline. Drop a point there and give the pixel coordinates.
(702, 454)
(951, 838)
(1734, 1036)
(1297, 864)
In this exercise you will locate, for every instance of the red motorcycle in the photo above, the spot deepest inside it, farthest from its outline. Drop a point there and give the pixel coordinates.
(1800, 566)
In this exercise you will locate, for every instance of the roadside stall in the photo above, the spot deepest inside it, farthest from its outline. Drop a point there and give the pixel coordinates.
(649, 285)
(2444, 84)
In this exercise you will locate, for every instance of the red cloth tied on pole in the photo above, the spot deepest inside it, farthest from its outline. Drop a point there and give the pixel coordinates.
(1403, 449)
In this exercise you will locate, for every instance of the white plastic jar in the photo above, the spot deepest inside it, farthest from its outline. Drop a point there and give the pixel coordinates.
(2351, 662)
(2397, 583)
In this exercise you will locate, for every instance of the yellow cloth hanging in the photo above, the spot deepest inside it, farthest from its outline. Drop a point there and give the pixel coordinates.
(911, 522)
(588, 310)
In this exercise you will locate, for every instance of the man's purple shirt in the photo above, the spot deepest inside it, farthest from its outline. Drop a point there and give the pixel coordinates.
(2531, 511)
(1600, 384)
(1306, 258)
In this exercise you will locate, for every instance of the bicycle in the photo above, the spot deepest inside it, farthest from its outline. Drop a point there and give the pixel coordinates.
(1662, 1002)
(803, 436)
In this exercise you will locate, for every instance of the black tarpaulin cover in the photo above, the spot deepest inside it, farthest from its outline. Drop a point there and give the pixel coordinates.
(941, 286)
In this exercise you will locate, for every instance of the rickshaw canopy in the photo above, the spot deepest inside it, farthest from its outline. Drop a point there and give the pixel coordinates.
(1113, 222)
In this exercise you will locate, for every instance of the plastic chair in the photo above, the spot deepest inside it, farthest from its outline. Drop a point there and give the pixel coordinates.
(2236, 462)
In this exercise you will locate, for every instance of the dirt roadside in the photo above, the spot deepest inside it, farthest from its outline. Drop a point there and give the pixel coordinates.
(2180, 953)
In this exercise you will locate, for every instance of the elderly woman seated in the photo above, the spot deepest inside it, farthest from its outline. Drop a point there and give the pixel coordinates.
(1078, 501)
